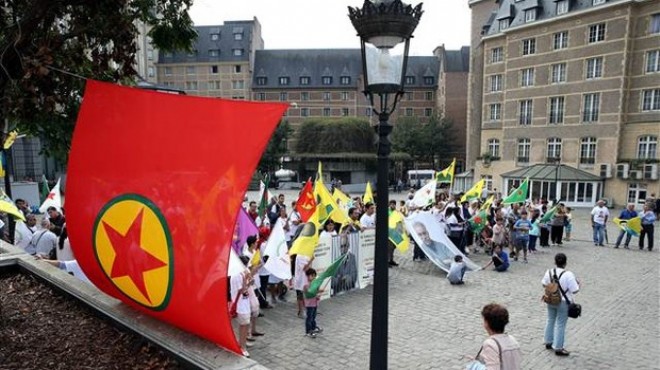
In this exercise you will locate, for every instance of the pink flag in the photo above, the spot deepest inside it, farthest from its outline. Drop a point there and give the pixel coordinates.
(244, 228)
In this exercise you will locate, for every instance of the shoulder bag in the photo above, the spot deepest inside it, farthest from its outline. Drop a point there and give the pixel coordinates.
(478, 365)
(574, 309)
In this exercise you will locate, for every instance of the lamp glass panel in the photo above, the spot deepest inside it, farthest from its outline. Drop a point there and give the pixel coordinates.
(384, 65)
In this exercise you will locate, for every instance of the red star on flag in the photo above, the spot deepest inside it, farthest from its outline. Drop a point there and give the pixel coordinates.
(51, 196)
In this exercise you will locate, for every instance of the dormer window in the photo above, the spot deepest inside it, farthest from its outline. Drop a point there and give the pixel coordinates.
(429, 80)
(305, 80)
(410, 80)
(326, 80)
(562, 7)
(284, 81)
(530, 15)
(262, 81)
(504, 24)
(345, 80)
(598, 2)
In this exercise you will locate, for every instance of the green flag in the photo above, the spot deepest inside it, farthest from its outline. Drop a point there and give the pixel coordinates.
(263, 201)
(479, 221)
(518, 195)
(315, 285)
(44, 188)
(548, 215)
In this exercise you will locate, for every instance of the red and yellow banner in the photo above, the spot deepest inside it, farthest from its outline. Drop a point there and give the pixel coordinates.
(154, 185)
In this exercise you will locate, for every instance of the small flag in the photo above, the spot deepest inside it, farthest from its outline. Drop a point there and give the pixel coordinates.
(264, 199)
(8, 206)
(315, 285)
(368, 194)
(446, 176)
(11, 137)
(256, 258)
(397, 232)
(632, 226)
(278, 263)
(243, 228)
(425, 196)
(343, 201)
(306, 242)
(474, 192)
(306, 203)
(518, 195)
(326, 205)
(488, 203)
(479, 221)
(53, 199)
(548, 215)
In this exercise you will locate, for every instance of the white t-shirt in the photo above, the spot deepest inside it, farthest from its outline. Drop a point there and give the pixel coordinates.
(294, 216)
(367, 221)
(325, 234)
(243, 305)
(600, 214)
(299, 278)
(73, 268)
(567, 281)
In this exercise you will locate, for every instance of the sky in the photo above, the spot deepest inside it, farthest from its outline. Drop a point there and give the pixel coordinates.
(321, 24)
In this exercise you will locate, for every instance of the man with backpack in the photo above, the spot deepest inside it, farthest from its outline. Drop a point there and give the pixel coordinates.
(559, 286)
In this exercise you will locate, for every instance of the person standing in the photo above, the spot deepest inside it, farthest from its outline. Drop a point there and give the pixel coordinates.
(648, 218)
(599, 216)
(500, 350)
(555, 327)
(368, 219)
(521, 228)
(627, 214)
(557, 225)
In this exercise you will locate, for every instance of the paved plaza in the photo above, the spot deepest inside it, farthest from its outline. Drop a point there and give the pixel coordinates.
(434, 325)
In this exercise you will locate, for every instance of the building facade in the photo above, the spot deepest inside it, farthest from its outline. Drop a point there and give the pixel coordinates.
(570, 83)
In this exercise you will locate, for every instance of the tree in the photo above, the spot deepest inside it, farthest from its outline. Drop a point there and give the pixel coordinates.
(335, 135)
(428, 142)
(276, 148)
(45, 45)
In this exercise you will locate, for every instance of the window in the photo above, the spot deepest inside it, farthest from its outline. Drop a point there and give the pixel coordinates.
(238, 84)
(304, 96)
(344, 112)
(428, 112)
(495, 112)
(494, 147)
(344, 95)
(488, 181)
(326, 80)
(168, 71)
(237, 52)
(654, 24)
(168, 54)
(562, 7)
(409, 96)
(526, 112)
(529, 47)
(560, 40)
(653, 61)
(305, 80)
(588, 150)
(556, 110)
(647, 147)
(368, 112)
(428, 80)
(192, 54)
(597, 33)
(215, 85)
(326, 112)
(594, 67)
(214, 70)
(496, 83)
(214, 36)
(598, 2)
(238, 36)
(504, 24)
(559, 73)
(530, 15)
(554, 148)
(262, 81)
(590, 108)
(214, 52)
(345, 80)
(410, 80)
(150, 72)
(524, 147)
(496, 55)
(304, 112)
(284, 81)
(428, 96)
(527, 77)
(327, 96)
(261, 96)
(237, 68)
(191, 85)
(284, 96)
(150, 54)
(651, 100)
(409, 112)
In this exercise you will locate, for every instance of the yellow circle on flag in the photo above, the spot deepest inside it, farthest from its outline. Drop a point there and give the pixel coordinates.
(133, 246)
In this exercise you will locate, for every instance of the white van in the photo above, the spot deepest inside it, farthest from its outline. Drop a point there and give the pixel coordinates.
(419, 178)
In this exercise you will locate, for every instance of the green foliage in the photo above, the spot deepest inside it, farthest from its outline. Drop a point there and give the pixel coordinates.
(90, 38)
(335, 135)
(429, 142)
(276, 148)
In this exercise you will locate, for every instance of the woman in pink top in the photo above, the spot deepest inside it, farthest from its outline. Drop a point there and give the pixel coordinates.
(499, 351)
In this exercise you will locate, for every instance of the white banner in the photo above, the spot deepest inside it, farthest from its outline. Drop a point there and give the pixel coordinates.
(366, 258)
(322, 260)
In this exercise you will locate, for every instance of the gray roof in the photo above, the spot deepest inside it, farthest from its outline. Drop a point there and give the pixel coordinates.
(550, 172)
(225, 44)
(457, 60)
(514, 11)
(319, 63)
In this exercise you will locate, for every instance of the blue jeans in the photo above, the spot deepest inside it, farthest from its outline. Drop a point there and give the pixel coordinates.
(556, 325)
(599, 233)
(310, 321)
(620, 238)
(532, 242)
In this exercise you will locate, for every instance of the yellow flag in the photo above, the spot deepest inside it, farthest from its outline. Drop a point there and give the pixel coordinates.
(632, 226)
(475, 192)
(326, 205)
(9, 141)
(256, 258)
(446, 175)
(488, 203)
(308, 238)
(397, 232)
(8, 206)
(368, 194)
(319, 172)
(342, 198)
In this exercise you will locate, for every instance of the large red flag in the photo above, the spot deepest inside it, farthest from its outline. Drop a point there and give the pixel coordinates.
(154, 185)
(306, 203)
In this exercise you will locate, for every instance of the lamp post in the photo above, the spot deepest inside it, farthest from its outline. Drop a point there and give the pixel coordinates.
(387, 26)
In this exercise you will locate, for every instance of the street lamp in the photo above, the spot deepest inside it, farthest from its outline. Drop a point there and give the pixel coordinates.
(387, 26)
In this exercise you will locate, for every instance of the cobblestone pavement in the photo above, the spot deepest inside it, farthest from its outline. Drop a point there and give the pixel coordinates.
(434, 325)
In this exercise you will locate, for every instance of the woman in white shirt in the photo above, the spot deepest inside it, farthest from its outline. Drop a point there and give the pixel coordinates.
(558, 314)
(328, 230)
